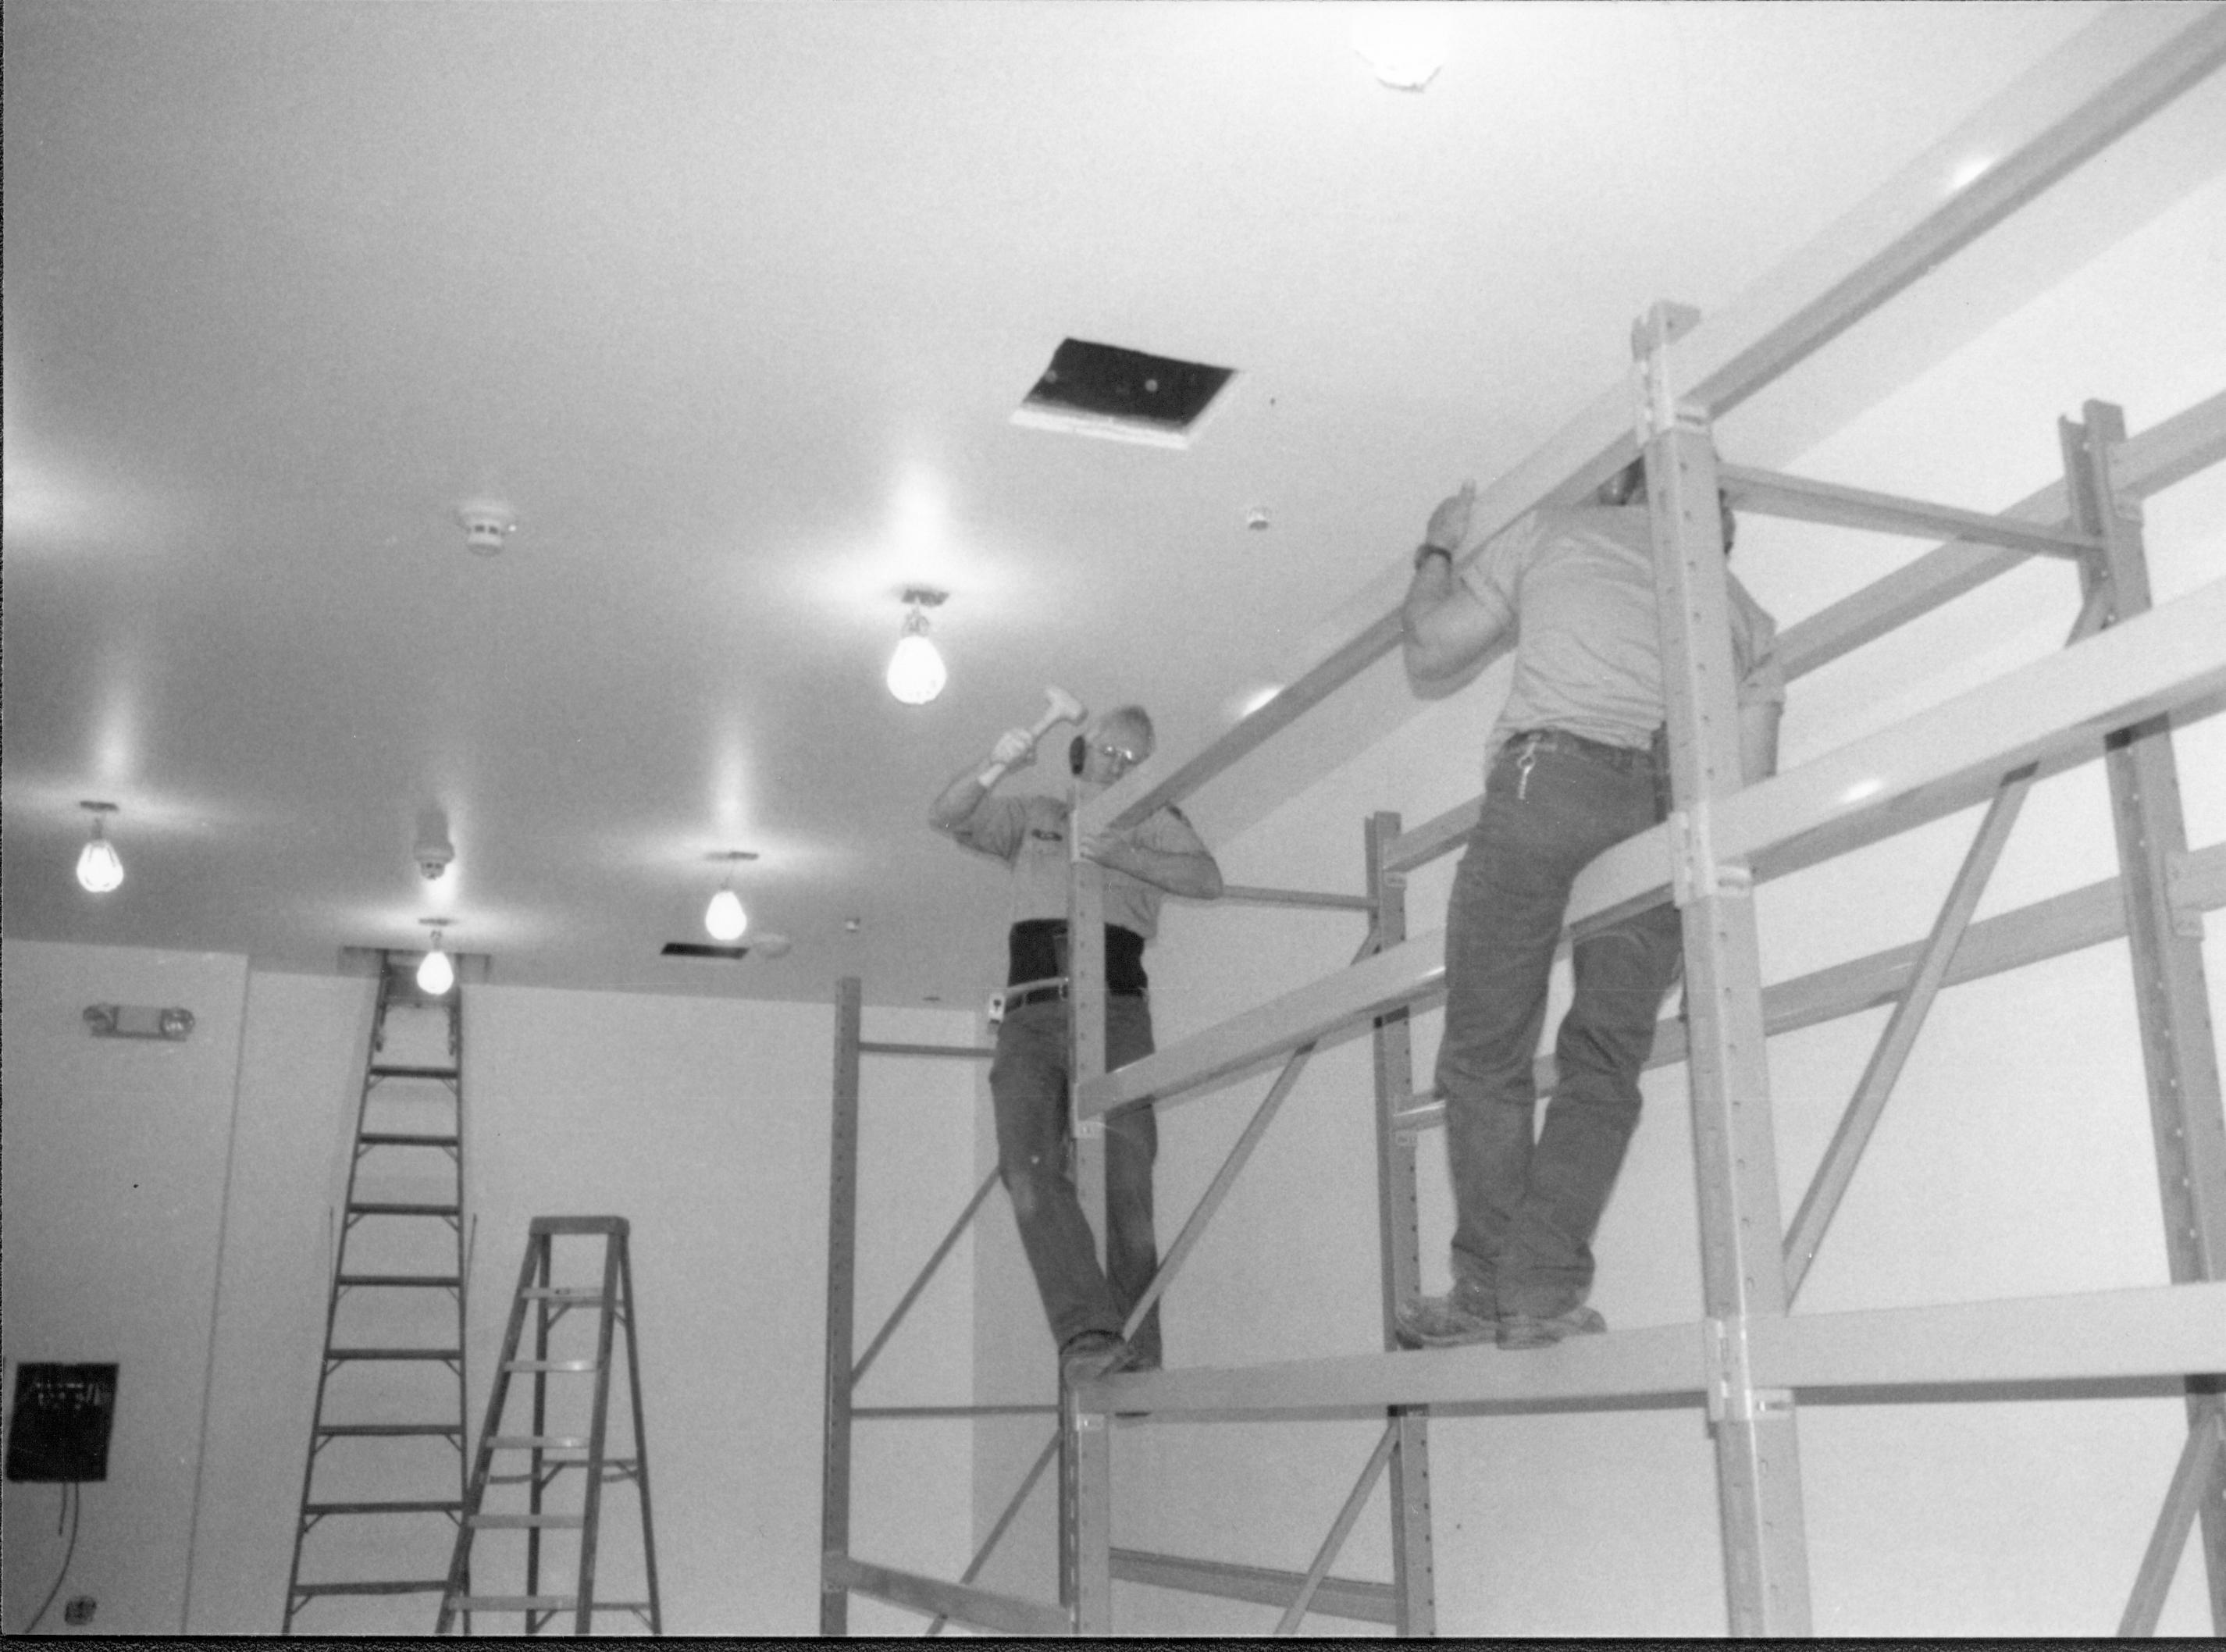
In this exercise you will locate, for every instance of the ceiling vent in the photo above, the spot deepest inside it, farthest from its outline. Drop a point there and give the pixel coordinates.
(770, 946)
(1097, 390)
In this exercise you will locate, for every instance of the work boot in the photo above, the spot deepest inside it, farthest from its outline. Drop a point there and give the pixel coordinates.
(1453, 1320)
(1089, 1355)
(1535, 1330)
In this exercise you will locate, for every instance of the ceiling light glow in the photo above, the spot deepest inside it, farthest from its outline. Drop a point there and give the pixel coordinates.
(724, 918)
(916, 674)
(436, 973)
(1970, 172)
(1403, 46)
(99, 868)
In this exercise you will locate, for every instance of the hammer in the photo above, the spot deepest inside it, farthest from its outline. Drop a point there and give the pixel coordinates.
(1059, 707)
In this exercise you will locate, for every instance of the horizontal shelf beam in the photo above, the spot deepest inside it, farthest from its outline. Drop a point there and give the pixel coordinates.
(938, 1597)
(2189, 442)
(2076, 920)
(2054, 711)
(2170, 1330)
(1798, 498)
(962, 1052)
(2102, 84)
(1349, 1598)
(2167, 1330)
(1246, 895)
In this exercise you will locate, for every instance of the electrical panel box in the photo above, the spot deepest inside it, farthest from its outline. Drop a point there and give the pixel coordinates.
(59, 1429)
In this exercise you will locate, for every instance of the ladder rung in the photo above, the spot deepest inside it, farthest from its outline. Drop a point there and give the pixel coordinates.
(515, 1602)
(573, 1366)
(447, 1281)
(386, 1069)
(392, 1587)
(396, 1207)
(539, 1443)
(403, 1138)
(393, 1353)
(449, 1506)
(584, 1296)
(389, 1429)
(519, 1522)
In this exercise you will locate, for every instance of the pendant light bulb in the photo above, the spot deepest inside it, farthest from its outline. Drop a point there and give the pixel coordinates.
(99, 868)
(435, 974)
(916, 674)
(724, 918)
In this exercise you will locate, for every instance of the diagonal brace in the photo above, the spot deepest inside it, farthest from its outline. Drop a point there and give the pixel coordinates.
(897, 1314)
(1806, 1233)
(2200, 1477)
(1225, 1177)
(1340, 1528)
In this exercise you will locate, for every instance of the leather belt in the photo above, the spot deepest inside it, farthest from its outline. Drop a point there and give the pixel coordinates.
(1054, 993)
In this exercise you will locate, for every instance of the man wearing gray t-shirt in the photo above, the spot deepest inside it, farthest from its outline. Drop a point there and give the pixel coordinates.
(1029, 1079)
(1576, 763)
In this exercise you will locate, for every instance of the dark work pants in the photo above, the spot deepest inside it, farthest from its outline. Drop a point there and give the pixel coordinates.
(1028, 1084)
(1527, 1207)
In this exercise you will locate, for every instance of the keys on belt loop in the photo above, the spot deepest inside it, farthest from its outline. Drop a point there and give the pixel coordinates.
(1523, 763)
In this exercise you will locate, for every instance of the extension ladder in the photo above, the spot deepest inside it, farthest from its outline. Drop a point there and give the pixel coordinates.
(574, 1437)
(383, 1480)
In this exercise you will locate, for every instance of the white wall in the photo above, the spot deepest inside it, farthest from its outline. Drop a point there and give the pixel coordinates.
(113, 1185)
(702, 1121)
(2014, 1159)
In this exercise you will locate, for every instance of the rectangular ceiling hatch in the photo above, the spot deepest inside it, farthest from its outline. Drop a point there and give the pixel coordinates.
(1100, 390)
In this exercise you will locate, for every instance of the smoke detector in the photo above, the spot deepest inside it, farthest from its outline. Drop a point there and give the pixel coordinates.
(486, 523)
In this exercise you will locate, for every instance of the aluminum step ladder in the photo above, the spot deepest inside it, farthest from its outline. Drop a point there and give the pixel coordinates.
(383, 1480)
(566, 1431)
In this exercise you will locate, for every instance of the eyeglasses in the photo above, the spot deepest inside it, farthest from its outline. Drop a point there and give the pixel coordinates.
(1121, 752)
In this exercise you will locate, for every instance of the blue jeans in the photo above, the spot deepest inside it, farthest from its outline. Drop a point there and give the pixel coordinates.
(1028, 1085)
(1527, 1209)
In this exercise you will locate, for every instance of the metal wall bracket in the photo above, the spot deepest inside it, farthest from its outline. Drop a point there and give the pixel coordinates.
(2181, 893)
(1695, 872)
(1731, 1394)
(139, 1021)
(1655, 408)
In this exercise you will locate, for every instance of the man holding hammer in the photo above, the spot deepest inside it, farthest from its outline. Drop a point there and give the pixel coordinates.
(1029, 1085)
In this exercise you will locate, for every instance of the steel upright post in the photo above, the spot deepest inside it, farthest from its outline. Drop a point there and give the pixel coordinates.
(1413, 1566)
(2171, 993)
(1757, 1457)
(841, 1291)
(1085, 1450)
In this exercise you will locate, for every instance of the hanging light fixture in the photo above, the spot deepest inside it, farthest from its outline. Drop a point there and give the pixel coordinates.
(436, 973)
(916, 674)
(97, 867)
(724, 918)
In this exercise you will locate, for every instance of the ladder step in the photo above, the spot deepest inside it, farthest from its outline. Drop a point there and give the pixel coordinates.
(393, 1353)
(397, 1207)
(449, 1506)
(403, 1139)
(584, 1296)
(387, 1430)
(391, 1586)
(446, 1281)
(514, 1603)
(520, 1522)
(388, 1070)
(573, 1366)
(539, 1442)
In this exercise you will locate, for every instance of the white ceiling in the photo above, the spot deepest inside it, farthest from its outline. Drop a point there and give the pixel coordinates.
(733, 303)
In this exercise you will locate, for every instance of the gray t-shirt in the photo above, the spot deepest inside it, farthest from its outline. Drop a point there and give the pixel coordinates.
(1576, 589)
(1028, 833)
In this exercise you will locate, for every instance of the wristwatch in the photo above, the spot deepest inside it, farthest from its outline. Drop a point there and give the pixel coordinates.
(1424, 551)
